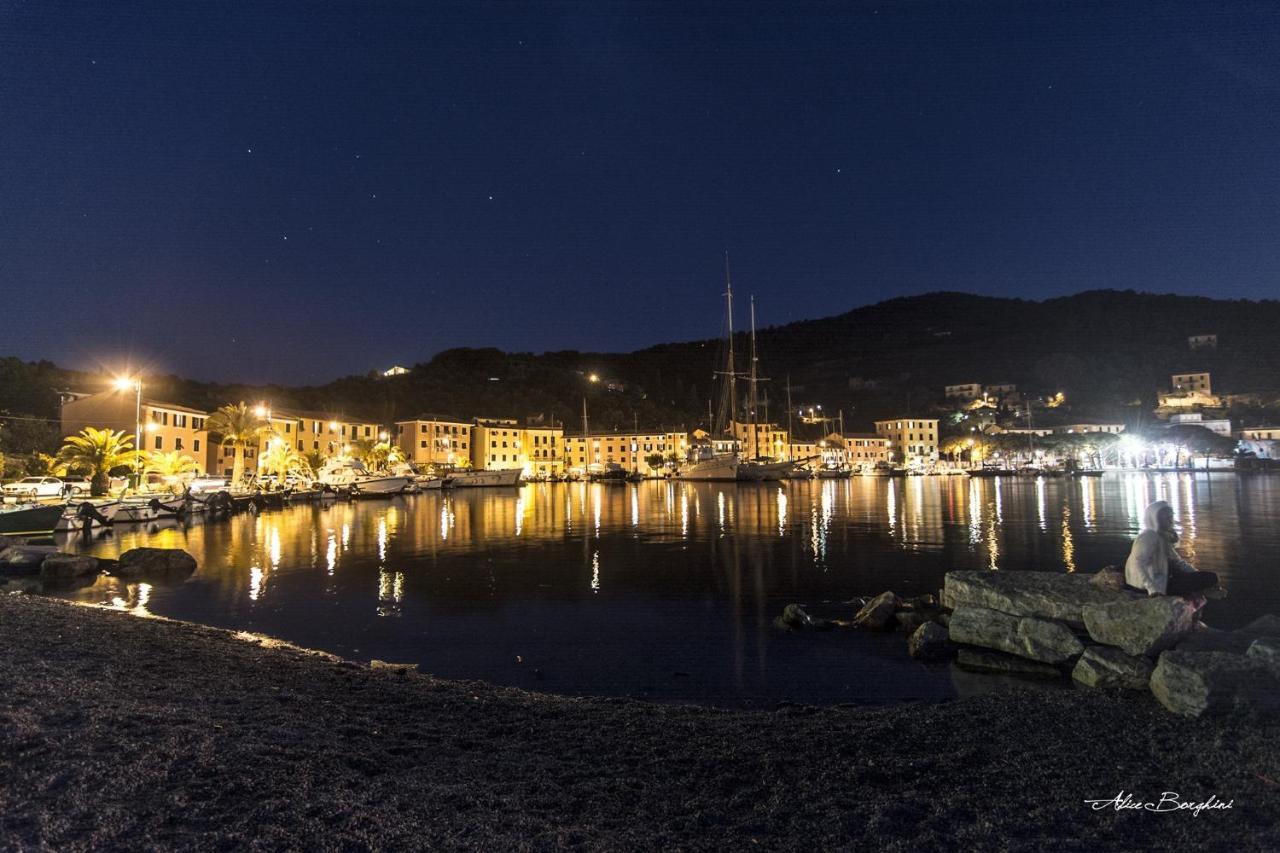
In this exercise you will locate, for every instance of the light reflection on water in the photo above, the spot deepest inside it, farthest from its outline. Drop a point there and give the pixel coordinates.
(639, 589)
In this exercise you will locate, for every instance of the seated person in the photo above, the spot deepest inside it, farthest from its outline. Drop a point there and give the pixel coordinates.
(1154, 565)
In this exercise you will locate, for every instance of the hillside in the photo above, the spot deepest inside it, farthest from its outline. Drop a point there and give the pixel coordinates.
(1109, 351)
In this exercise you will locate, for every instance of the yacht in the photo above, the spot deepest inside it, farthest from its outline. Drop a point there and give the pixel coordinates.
(351, 474)
(496, 477)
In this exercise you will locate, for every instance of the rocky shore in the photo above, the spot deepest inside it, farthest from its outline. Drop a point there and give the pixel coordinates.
(117, 731)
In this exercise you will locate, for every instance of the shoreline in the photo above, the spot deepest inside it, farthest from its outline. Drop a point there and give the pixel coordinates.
(125, 731)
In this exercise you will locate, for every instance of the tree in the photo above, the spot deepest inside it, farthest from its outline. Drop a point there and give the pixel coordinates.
(314, 460)
(97, 452)
(170, 465)
(654, 460)
(281, 460)
(377, 456)
(237, 426)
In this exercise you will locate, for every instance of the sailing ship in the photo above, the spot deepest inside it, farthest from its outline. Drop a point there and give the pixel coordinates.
(705, 460)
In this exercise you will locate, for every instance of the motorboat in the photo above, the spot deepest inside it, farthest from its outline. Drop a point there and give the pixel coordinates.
(834, 472)
(29, 519)
(496, 477)
(350, 474)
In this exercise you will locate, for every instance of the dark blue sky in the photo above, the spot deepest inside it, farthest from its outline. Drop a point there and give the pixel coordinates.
(292, 192)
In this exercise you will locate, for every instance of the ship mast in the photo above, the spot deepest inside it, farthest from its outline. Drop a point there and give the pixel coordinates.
(753, 402)
(790, 437)
(733, 366)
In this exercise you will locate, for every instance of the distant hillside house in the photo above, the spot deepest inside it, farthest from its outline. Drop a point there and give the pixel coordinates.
(1203, 342)
(395, 370)
(1069, 429)
(1262, 433)
(1220, 426)
(967, 391)
(1188, 382)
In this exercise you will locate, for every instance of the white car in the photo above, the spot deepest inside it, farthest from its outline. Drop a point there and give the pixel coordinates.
(34, 487)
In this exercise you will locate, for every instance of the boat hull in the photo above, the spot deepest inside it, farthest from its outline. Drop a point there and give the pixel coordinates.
(724, 468)
(499, 477)
(30, 519)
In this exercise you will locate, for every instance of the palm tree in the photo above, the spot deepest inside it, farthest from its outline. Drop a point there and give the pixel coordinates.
(377, 456)
(314, 460)
(239, 427)
(170, 466)
(282, 460)
(97, 452)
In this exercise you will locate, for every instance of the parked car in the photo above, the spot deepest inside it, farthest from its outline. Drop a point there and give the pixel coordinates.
(76, 486)
(34, 487)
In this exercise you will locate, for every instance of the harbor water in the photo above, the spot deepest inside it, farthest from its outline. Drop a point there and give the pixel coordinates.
(668, 590)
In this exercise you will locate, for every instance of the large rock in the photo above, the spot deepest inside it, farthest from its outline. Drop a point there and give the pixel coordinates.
(1267, 650)
(1034, 639)
(1039, 595)
(984, 660)
(1109, 579)
(878, 612)
(62, 568)
(1195, 684)
(23, 559)
(1141, 626)
(929, 642)
(156, 563)
(1103, 666)
(794, 616)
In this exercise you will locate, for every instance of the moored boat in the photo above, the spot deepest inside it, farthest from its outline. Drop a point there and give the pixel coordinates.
(29, 519)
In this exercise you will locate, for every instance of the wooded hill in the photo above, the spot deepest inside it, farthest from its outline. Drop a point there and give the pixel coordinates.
(1110, 352)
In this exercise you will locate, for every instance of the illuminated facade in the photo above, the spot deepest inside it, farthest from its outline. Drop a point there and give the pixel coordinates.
(435, 440)
(166, 427)
(592, 452)
(913, 440)
(505, 443)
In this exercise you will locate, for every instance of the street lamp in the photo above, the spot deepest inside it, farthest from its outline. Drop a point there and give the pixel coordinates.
(125, 383)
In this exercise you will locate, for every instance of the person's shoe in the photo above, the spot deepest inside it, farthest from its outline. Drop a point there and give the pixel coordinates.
(1217, 593)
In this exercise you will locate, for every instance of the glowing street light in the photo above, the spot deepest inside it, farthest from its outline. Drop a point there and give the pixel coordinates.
(595, 377)
(126, 383)
(262, 411)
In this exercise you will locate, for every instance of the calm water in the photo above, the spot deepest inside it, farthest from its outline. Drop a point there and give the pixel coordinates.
(668, 590)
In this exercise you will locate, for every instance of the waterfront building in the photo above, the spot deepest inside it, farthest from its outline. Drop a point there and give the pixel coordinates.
(1262, 433)
(592, 452)
(308, 431)
(865, 449)
(760, 440)
(914, 440)
(435, 440)
(499, 443)
(166, 426)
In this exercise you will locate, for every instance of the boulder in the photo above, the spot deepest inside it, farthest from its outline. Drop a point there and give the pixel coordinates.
(878, 612)
(982, 660)
(794, 616)
(1039, 595)
(1267, 625)
(23, 559)
(1110, 579)
(157, 563)
(920, 602)
(1035, 639)
(1103, 666)
(1267, 650)
(67, 567)
(929, 642)
(1141, 626)
(909, 620)
(21, 586)
(1202, 638)
(1196, 684)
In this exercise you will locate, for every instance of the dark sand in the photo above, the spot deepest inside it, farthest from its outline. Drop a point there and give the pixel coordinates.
(117, 731)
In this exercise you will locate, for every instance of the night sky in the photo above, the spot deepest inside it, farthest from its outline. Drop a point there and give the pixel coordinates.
(293, 192)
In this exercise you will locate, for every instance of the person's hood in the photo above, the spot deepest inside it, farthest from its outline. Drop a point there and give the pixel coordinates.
(1151, 516)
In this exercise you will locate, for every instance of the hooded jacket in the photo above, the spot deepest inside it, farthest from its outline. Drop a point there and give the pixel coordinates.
(1153, 555)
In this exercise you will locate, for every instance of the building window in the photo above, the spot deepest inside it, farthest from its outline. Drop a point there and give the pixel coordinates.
(159, 442)
(195, 445)
(177, 443)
